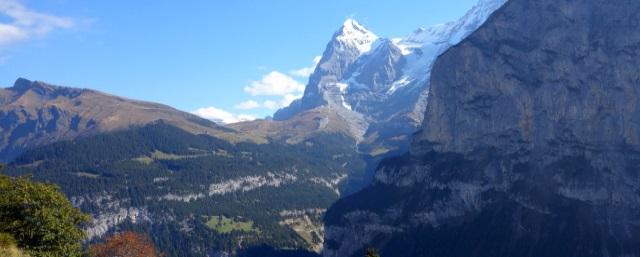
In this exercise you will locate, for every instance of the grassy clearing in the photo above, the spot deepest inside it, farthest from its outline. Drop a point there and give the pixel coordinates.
(87, 175)
(158, 155)
(144, 160)
(223, 225)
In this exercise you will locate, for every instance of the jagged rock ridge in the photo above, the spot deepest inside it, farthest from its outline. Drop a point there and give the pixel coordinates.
(530, 144)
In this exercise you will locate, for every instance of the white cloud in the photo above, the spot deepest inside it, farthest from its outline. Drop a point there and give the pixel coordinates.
(274, 84)
(25, 23)
(223, 116)
(268, 104)
(10, 34)
(248, 105)
(307, 71)
(281, 89)
(271, 105)
(288, 99)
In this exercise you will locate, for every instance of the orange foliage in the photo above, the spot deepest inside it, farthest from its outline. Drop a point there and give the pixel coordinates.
(127, 244)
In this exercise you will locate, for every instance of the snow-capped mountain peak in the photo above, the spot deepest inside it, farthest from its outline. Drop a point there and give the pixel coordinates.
(355, 35)
(351, 24)
(371, 81)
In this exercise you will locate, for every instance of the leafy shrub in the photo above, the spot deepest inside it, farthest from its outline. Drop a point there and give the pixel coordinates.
(40, 218)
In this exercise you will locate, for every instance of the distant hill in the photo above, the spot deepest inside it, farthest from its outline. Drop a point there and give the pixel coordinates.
(34, 113)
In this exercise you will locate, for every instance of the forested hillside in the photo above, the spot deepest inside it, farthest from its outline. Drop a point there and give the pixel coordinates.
(205, 193)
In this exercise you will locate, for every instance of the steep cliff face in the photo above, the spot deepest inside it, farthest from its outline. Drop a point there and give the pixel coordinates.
(530, 144)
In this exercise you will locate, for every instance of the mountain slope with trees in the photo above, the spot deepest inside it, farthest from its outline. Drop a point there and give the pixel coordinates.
(168, 182)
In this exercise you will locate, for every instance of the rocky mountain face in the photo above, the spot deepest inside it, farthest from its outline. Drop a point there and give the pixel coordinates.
(34, 113)
(530, 144)
(380, 86)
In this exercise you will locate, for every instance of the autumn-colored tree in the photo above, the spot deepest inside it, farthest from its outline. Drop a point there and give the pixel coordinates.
(127, 244)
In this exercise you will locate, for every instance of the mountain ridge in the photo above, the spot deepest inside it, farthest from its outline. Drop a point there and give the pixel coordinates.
(34, 113)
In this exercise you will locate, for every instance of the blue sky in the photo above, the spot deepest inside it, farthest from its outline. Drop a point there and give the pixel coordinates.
(192, 54)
